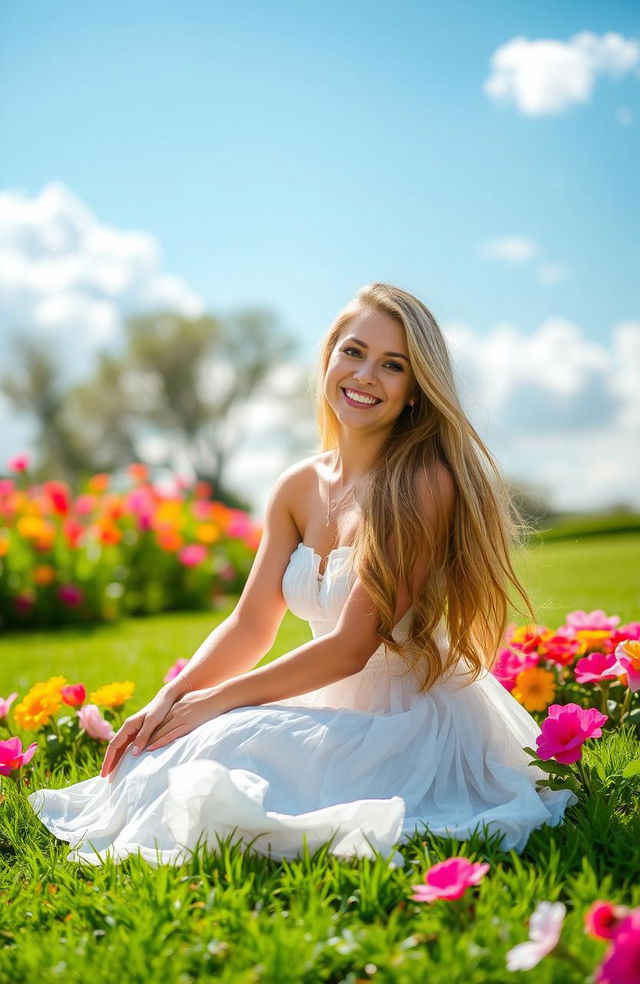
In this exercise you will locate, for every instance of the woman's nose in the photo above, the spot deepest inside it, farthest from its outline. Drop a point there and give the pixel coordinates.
(365, 373)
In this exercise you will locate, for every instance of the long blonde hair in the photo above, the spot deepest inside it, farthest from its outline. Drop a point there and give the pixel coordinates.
(470, 566)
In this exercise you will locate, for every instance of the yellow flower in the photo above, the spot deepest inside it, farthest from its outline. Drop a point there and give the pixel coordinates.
(535, 688)
(40, 704)
(112, 694)
(207, 532)
(592, 640)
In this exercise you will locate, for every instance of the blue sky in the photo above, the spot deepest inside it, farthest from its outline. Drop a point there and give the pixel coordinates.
(283, 154)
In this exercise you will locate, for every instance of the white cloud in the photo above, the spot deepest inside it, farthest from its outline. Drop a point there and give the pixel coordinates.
(70, 278)
(546, 76)
(513, 249)
(558, 409)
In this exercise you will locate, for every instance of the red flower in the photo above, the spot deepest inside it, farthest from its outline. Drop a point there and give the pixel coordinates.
(58, 495)
(603, 918)
(74, 694)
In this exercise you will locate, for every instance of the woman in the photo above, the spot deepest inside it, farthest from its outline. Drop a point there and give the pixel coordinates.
(393, 543)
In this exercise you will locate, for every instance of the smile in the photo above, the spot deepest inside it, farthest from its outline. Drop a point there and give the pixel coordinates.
(356, 399)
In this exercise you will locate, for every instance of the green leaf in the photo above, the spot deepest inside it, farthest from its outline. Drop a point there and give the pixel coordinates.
(631, 770)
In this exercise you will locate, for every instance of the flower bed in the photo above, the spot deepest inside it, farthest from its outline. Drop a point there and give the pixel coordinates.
(106, 553)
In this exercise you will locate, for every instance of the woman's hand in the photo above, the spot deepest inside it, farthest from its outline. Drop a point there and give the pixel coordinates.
(139, 727)
(187, 714)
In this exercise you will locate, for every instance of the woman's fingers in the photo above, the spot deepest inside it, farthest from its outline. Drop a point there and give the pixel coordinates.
(151, 722)
(167, 738)
(118, 745)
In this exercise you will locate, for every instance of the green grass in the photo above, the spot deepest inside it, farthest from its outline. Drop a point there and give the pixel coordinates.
(234, 916)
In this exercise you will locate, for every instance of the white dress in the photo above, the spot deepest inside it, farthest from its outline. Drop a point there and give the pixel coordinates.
(362, 763)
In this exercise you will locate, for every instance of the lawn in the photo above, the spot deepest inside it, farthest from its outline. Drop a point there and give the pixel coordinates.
(232, 916)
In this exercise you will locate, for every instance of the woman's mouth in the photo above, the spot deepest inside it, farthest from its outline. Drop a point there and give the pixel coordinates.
(355, 399)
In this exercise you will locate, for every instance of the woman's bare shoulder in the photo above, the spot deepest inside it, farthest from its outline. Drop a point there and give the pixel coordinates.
(300, 473)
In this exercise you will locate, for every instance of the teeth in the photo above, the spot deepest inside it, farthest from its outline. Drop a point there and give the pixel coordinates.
(360, 399)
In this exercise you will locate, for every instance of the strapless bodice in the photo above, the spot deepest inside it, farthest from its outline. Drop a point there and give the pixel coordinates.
(319, 598)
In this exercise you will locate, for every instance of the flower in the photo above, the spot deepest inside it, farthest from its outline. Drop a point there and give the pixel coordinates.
(545, 926)
(192, 555)
(12, 757)
(565, 730)
(535, 688)
(6, 704)
(510, 663)
(43, 575)
(19, 463)
(628, 656)
(40, 704)
(92, 721)
(593, 641)
(449, 880)
(98, 483)
(621, 964)
(560, 647)
(71, 595)
(138, 472)
(113, 694)
(174, 670)
(596, 619)
(74, 694)
(603, 918)
(596, 666)
(58, 495)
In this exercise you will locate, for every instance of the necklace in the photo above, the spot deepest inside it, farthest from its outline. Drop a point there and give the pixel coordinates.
(331, 505)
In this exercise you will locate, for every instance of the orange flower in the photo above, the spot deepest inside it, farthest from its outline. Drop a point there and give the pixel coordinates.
(4, 542)
(535, 688)
(40, 704)
(44, 574)
(138, 472)
(109, 534)
(170, 540)
(31, 527)
(98, 483)
(112, 694)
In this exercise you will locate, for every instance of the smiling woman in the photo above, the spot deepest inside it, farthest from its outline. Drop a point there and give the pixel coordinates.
(393, 542)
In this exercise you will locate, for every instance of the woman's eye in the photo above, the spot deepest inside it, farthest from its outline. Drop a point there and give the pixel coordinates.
(349, 348)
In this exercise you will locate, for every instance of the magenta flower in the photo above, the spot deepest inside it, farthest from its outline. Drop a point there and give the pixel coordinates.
(621, 964)
(71, 595)
(6, 704)
(19, 463)
(595, 620)
(449, 880)
(595, 667)
(510, 663)
(603, 918)
(545, 926)
(192, 555)
(92, 721)
(174, 670)
(12, 757)
(74, 694)
(565, 730)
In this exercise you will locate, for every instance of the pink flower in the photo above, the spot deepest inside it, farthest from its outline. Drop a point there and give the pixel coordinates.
(6, 486)
(192, 555)
(71, 595)
(594, 620)
(84, 505)
(174, 670)
(449, 880)
(19, 463)
(596, 666)
(92, 721)
(58, 495)
(628, 661)
(6, 704)
(621, 964)
(510, 663)
(565, 730)
(240, 524)
(74, 694)
(12, 757)
(603, 918)
(545, 926)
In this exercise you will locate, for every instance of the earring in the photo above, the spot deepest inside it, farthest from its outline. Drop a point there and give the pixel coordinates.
(412, 404)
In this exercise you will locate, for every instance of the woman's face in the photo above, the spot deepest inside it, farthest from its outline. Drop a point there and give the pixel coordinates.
(370, 359)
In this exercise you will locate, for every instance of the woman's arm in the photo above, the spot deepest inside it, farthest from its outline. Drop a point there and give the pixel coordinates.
(241, 641)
